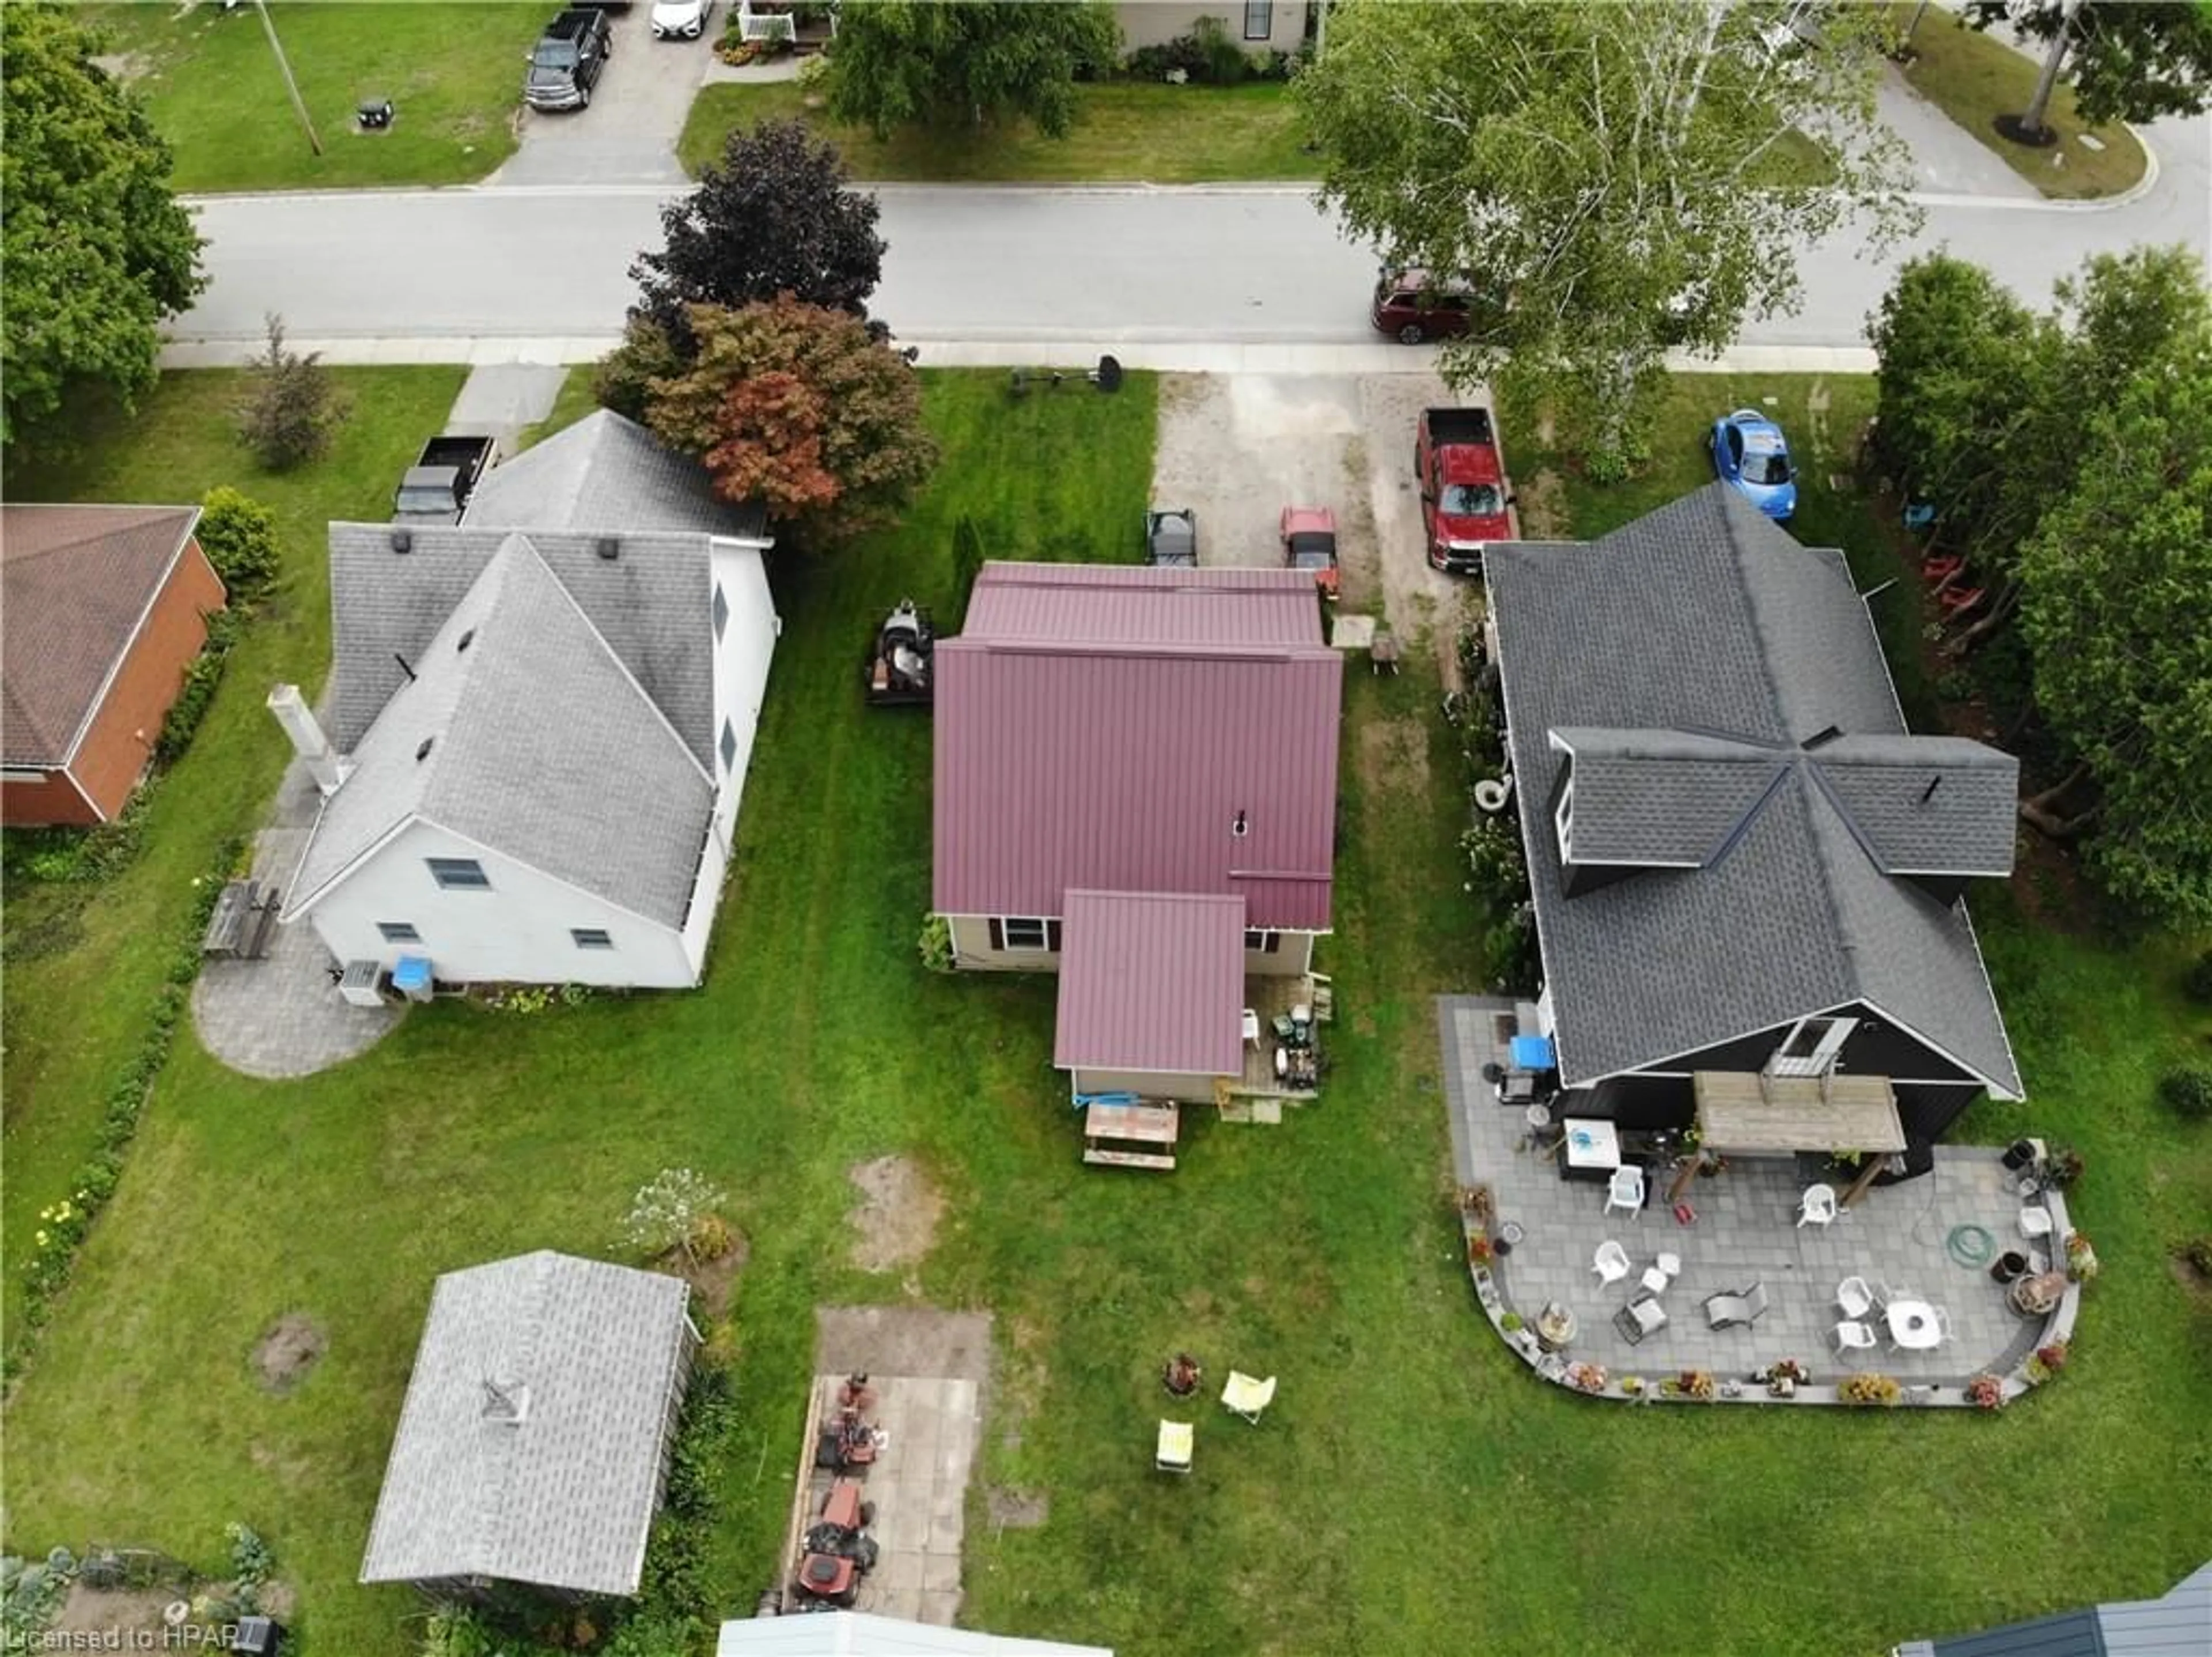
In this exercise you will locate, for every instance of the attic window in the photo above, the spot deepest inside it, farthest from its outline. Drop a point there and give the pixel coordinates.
(1563, 819)
(467, 639)
(721, 613)
(423, 751)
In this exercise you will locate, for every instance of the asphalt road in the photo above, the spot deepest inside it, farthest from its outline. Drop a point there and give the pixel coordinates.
(1007, 263)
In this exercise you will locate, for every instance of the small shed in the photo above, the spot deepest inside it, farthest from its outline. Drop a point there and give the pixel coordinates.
(535, 1436)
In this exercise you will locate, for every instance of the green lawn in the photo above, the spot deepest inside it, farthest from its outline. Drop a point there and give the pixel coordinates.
(1123, 132)
(453, 73)
(84, 961)
(1975, 78)
(1320, 1251)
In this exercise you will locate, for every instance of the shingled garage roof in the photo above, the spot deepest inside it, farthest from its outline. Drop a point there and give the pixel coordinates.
(488, 742)
(1151, 981)
(76, 583)
(607, 473)
(1704, 636)
(2176, 1625)
(1124, 729)
(529, 1447)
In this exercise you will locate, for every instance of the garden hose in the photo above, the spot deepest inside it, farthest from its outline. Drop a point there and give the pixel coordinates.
(1971, 1245)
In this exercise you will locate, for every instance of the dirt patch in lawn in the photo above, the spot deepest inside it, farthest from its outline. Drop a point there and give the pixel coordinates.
(897, 1218)
(1017, 1510)
(712, 1281)
(1543, 498)
(1394, 753)
(293, 1346)
(126, 1611)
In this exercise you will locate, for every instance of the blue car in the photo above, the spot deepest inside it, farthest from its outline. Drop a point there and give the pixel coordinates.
(1750, 453)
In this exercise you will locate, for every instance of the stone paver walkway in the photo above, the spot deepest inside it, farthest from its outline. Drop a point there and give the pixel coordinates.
(282, 1015)
(1745, 1231)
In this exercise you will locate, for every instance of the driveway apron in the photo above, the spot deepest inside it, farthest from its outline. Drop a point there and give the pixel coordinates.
(638, 109)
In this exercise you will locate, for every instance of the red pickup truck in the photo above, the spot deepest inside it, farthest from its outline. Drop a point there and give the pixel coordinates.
(1465, 501)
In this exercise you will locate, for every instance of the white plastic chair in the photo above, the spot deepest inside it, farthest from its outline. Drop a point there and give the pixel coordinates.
(1247, 1395)
(1251, 1027)
(1942, 1324)
(1611, 1262)
(1853, 1337)
(1818, 1205)
(1626, 1190)
(1854, 1298)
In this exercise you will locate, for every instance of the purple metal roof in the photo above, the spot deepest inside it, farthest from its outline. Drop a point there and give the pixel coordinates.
(1061, 603)
(1069, 754)
(1151, 981)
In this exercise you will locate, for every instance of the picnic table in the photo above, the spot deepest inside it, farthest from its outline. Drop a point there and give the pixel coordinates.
(244, 917)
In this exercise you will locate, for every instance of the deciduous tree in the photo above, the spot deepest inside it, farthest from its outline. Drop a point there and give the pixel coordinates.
(291, 408)
(923, 62)
(775, 217)
(97, 251)
(794, 406)
(1624, 177)
(2118, 587)
(2133, 60)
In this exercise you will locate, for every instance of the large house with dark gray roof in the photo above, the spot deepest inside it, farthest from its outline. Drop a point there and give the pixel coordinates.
(538, 722)
(1741, 860)
(534, 1440)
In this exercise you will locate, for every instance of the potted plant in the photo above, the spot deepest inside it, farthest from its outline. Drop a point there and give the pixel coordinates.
(2045, 1362)
(1868, 1388)
(2062, 1168)
(1475, 1203)
(1695, 1383)
(1631, 1386)
(1511, 1322)
(1479, 1250)
(1586, 1377)
(1782, 1377)
(1985, 1392)
(2081, 1257)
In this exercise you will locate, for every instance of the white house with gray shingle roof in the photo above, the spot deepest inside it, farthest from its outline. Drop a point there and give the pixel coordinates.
(541, 721)
(1741, 859)
(534, 1439)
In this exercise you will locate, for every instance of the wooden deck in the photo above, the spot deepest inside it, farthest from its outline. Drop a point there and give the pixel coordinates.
(1268, 996)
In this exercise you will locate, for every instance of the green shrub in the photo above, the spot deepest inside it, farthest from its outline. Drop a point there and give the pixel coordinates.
(291, 406)
(239, 536)
(2187, 1092)
(1206, 56)
(201, 676)
(2196, 983)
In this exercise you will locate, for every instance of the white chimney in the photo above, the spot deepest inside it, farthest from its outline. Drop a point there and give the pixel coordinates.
(307, 739)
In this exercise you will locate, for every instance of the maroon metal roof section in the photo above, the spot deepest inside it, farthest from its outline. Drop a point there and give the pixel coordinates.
(1151, 981)
(1118, 728)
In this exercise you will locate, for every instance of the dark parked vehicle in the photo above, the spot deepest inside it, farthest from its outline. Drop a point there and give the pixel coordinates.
(568, 59)
(1411, 306)
(438, 486)
(1171, 537)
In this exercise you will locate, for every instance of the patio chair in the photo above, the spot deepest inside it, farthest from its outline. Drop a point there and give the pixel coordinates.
(1246, 1395)
(1853, 1337)
(1943, 1325)
(1817, 1206)
(1611, 1263)
(2035, 1221)
(1642, 1316)
(1624, 1190)
(1173, 1455)
(1853, 1297)
(1736, 1309)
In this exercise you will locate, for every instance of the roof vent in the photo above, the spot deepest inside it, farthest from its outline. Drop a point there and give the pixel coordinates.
(1240, 828)
(1820, 737)
(506, 1401)
(466, 638)
(402, 540)
(423, 752)
(609, 547)
(1933, 783)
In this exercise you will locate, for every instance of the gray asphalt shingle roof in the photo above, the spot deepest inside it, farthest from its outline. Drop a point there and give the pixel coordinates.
(563, 1496)
(609, 474)
(651, 602)
(2179, 1624)
(486, 743)
(1704, 621)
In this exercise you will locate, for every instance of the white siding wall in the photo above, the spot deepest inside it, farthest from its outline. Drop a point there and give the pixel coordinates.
(1148, 1084)
(516, 933)
(741, 666)
(706, 898)
(1155, 22)
(972, 951)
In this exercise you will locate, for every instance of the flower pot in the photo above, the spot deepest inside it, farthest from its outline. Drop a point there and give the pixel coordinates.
(2017, 1155)
(1508, 1235)
(2008, 1266)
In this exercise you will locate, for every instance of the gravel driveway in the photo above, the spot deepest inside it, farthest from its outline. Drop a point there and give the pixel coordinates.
(1238, 449)
(638, 109)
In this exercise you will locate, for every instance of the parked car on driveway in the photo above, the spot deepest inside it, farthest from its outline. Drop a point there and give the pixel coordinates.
(680, 20)
(1171, 536)
(1310, 543)
(1750, 455)
(568, 59)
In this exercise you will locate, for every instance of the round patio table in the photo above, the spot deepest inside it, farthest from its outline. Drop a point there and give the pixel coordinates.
(1912, 1325)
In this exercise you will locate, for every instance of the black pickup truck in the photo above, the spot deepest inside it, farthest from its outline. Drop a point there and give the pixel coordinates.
(568, 59)
(438, 486)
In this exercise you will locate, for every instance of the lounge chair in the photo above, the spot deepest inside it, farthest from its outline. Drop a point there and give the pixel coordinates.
(1640, 1317)
(1173, 1455)
(1736, 1309)
(1247, 1395)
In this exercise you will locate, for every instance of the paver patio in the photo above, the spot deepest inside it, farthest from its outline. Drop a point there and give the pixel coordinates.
(1746, 1230)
